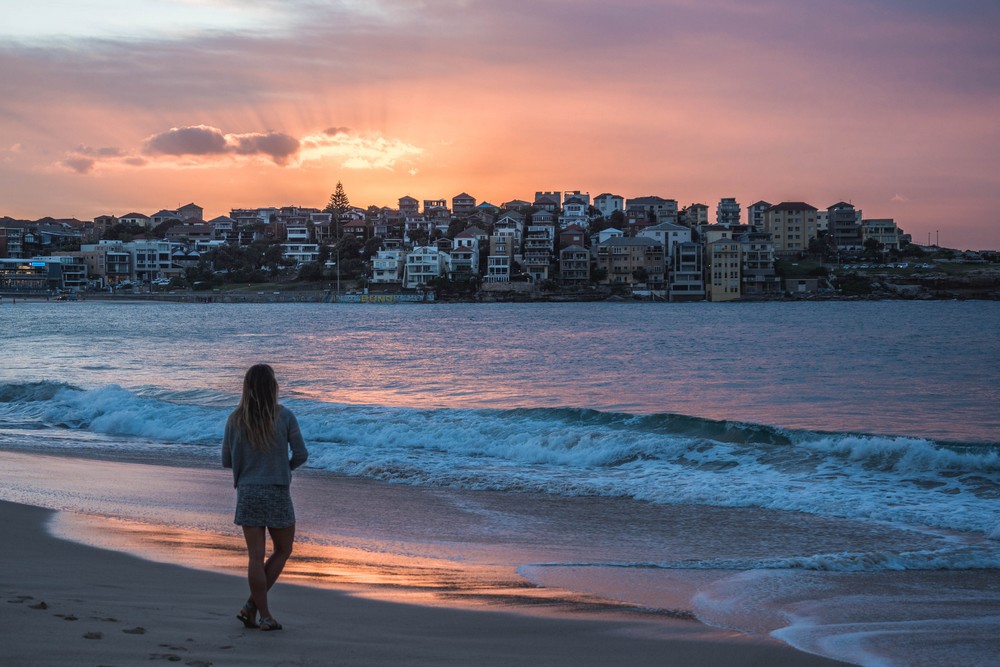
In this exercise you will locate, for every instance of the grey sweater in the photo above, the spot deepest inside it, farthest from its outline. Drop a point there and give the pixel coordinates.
(251, 466)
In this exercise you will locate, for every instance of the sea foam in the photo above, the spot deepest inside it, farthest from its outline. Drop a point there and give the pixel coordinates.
(665, 459)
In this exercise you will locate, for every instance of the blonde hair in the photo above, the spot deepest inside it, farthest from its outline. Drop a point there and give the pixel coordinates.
(258, 408)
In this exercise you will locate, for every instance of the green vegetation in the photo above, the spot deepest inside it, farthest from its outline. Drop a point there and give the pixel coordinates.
(803, 268)
(855, 285)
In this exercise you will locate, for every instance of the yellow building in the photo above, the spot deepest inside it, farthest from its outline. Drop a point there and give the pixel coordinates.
(723, 260)
(791, 224)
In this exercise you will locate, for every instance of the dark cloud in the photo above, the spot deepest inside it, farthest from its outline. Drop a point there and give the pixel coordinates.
(79, 163)
(194, 140)
(279, 147)
(334, 131)
(207, 140)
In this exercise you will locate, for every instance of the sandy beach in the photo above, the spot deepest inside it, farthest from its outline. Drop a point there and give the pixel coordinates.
(63, 603)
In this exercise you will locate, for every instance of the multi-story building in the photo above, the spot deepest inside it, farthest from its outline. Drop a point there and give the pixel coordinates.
(636, 220)
(499, 263)
(152, 259)
(607, 203)
(517, 205)
(657, 209)
(224, 226)
(163, 215)
(463, 205)
(791, 224)
(12, 241)
(40, 275)
(713, 233)
(723, 263)
(300, 253)
(543, 218)
(465, 253)
(627, 260)
(190, 233)
(573, 235)
(574, 211)
(883, 230)
(512, 223)
(574, 265)
(409, 207)
(758, 274)
(539, 245)
(606, 235)
(424, 264)
(667, 235)
(547, 200)
(727, 212)
(686, 280)
(755, 215)
(696, 216)
(387, 267)
(437, 210)
(414, 227)
(191, 210)
(822, 223)
(108, 262)
(845, 227)
(360, 229)
(134, 219)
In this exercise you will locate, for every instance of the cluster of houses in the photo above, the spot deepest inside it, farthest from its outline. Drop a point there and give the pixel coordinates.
(559, 239)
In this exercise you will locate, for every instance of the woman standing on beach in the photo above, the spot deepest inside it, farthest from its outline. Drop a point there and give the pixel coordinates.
(258, 435)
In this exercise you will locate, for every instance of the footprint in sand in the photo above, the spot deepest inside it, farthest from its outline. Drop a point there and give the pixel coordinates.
(139, 630)
(172, 647)
(40, 605)
(93, 635)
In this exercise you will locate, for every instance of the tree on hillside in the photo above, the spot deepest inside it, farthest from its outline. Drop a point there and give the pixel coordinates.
(119, 232)
(339, 203)
(160, 231)
(872, 247)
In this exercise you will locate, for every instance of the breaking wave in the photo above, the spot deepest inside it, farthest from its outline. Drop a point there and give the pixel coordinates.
(662, 458)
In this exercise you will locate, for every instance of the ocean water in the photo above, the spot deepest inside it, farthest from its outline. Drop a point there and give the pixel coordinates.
(824, 473)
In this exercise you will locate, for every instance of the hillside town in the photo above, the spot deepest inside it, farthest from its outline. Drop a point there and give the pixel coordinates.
(561, 243)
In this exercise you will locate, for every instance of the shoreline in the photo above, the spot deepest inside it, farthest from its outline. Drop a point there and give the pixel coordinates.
(66, 603)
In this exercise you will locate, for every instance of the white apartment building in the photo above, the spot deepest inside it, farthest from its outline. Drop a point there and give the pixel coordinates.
(424, 264)
(465, 253)
(387, 267)
(607, 203)
(300, 253)
(667, 234)
(883, 230)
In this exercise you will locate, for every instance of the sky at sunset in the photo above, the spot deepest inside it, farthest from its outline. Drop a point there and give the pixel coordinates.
(113, 106)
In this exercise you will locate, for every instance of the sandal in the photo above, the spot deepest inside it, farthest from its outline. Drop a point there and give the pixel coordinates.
(267, 624)
(248, 614)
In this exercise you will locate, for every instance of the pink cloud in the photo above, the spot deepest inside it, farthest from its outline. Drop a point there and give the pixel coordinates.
(80, 164)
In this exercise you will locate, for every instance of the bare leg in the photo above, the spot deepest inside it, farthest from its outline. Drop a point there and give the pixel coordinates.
(256, 539)
(261, 575)
(281, 539)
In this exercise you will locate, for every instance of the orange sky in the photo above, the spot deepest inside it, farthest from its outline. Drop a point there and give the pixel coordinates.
(890, 104)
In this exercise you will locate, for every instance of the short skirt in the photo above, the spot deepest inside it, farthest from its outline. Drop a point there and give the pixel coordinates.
(268, 505)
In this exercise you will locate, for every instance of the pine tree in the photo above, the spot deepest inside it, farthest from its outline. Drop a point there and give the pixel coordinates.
(339, 203)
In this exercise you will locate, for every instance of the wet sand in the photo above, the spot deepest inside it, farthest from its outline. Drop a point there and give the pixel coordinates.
(63, 603)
